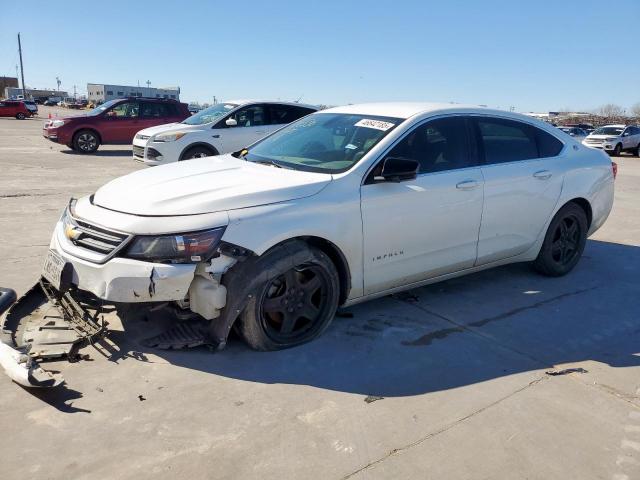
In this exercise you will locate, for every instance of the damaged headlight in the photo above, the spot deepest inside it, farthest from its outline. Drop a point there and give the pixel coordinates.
(177, 248)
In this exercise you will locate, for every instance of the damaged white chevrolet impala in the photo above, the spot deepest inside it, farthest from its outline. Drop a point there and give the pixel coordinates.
(342, 206)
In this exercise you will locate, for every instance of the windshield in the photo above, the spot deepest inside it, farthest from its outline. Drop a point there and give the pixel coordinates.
(323, 142)
(608, 131)
(101, 108)
(210, 114)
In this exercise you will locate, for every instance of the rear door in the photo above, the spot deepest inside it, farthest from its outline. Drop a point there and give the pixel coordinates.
(120, 123)
(522, 182)
(5, 110)
(252, 125)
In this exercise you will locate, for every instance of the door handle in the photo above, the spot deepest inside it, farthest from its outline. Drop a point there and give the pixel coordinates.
(543, 174)
(215, 136)
(467, 185)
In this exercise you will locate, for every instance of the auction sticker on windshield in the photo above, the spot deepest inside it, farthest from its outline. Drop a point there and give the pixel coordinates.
(377, 124)
(52, 268)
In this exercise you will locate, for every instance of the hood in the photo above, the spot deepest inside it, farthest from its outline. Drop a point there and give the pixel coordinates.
(603, 137)
(169, 127)
(206, 185)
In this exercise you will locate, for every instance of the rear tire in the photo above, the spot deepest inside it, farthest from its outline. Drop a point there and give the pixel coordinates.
(294, 303)
(637, 152)
(20, 116)
(564, 242)
(86, 141)
(198, 152)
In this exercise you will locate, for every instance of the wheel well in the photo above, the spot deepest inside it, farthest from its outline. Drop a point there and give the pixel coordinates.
(338, 259)
(73, 137)
(211, 148)
(586, 206)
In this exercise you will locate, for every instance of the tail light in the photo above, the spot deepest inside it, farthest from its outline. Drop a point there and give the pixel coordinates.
(614, 169)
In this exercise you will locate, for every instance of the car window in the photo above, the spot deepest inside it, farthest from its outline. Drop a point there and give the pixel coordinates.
(125, 110)
(437, 145)
(506, 140)
(252, 116)
(155, 110)
(281, 114)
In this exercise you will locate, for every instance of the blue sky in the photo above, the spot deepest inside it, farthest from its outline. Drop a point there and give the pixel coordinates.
(534, 55)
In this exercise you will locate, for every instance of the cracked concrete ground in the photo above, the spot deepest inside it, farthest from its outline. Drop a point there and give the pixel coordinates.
(453, 381)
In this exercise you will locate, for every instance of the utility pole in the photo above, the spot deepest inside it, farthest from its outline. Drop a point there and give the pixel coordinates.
(58, 82)
(74, 92)
(148, 88)
(24, 91)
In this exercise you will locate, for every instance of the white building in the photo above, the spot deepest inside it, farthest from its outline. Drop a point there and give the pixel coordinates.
(98, 92)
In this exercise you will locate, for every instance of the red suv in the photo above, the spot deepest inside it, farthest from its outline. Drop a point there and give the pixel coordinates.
(13, 108)
(114, 122)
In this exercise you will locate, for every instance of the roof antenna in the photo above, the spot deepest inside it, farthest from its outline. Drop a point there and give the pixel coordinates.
(299, 98)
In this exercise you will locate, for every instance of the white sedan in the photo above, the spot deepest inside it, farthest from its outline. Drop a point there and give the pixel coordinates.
(342, 206)
(222, 128)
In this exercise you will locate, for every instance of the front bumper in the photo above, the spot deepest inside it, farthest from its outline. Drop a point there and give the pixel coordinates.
(144, 153)
(123, 280)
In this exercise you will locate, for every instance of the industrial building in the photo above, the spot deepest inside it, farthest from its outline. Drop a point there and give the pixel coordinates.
(98, 92)
(7, 82)
(34, 93)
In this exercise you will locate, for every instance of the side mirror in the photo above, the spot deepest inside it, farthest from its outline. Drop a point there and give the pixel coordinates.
(395, 169)
(572, 134)
(231, 122)
(625, 134)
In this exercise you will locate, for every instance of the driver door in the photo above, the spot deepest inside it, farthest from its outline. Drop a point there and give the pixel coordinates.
(120, 123)
(251, 126)
(428, 226)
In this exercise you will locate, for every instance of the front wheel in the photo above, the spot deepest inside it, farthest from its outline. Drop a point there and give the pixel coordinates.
(617, 151)
(86, 141)
(564, 242)
(197, 152)
(637, 152)
(294, 304)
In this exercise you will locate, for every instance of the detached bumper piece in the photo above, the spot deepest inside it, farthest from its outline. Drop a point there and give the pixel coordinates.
(45, 324)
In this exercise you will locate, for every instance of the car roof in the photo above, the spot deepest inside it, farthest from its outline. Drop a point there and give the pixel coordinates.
(406, 110)
(245, 101)
(616, 125)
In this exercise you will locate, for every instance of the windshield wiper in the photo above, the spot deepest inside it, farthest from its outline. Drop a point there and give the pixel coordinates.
(268, 162)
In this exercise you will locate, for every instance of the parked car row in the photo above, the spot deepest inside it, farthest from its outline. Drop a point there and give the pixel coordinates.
(613, 139)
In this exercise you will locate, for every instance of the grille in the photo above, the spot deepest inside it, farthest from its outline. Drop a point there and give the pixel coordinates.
(97, 239)
(595, 140)
(138, 151)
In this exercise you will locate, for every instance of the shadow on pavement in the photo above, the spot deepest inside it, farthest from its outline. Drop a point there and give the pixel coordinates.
(448, 335)
(100, 153)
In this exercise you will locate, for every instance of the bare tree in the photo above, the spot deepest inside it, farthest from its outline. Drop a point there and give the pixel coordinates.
(611, 110)
(635, 110)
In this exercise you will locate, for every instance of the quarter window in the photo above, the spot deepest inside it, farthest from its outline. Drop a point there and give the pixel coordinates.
(155, 110)
(437, 145)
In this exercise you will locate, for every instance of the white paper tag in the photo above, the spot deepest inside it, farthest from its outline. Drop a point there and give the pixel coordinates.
(377, 124)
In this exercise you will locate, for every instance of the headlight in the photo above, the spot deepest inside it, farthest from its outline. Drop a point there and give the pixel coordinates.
(182, 248)
(56, 123)
(169, 137)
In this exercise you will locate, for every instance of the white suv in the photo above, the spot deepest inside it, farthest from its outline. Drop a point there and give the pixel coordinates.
(614, 139)
(221, 128)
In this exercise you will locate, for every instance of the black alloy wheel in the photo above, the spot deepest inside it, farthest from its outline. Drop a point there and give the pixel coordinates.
(566, 240)
(294, 304)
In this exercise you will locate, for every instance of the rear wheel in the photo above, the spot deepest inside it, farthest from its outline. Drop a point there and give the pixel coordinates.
(198, 152)
(564, 242)
(20, 116)
(294, 304)
(637, 152)
(86, 141)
